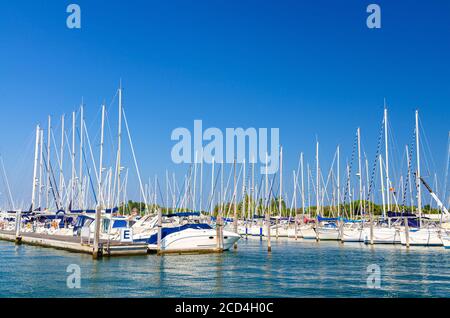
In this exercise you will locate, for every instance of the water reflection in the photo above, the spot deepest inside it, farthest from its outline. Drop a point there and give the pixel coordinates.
(293, 269)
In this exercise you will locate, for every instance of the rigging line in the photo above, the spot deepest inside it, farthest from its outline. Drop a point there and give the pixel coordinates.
(270, 192)
(393, 154)
(90, 178)
(374, 167)
(51, 184)
(88, 167)
(347, 190)
(5, 179)
(97, 174)
(214, 189)
(446, 171)
(330, 174)
(184, 198)
(160, 192)
(93, 121)
(234, 192)
(408, 175)
(428, 147)
(180, 191)
(257, 199)
(21, 164)
(188, 192)
(110, 134)
(134, 155)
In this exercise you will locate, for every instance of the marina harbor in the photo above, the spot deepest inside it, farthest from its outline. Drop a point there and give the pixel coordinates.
(250, 153)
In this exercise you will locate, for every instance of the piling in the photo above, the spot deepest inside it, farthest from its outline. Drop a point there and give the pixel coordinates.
(407, 232)
(159, 230)
(371, 230)
(219, 233)
(18, 223)
(235, 220)
(269, 245)
(296, 226)
(98, 249)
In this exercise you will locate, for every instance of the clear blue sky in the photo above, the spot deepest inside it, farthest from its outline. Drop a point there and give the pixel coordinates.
(312, 68)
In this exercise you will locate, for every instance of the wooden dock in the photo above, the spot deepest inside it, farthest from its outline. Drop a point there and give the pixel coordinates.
(73, 244)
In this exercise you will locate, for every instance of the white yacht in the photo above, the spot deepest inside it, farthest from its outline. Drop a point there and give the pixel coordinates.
(178, 234)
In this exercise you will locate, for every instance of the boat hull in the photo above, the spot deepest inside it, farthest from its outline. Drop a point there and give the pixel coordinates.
(422, 237)
(308, 233)
(446, 240)
(352, 235)
(382, 236)
(198, 240)
(328, 234)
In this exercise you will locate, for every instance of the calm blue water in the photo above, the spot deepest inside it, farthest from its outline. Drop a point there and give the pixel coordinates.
(294, 269)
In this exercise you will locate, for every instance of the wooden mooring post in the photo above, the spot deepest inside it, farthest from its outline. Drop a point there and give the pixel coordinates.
(98, 249)
(371, 230)
(407, 232)
(219, 232)
(18, 223)
(269, 244)
(159, 231)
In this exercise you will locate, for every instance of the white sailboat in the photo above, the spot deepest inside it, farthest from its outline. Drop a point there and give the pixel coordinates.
(426, 234)
(354, 231)
(383, 232)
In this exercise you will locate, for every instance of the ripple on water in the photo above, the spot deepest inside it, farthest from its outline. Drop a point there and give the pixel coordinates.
(293, 269)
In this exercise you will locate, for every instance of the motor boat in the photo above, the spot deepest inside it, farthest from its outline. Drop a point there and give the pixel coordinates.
(181, 232)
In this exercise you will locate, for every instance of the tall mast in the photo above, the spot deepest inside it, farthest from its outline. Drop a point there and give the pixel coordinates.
(156, 193)
(244, 206)
(81, 194)
(419, 192)
(36, 154)
(194, 199)
(167, 192)
(41, 164)
(317, 179)
(308, 173)
(367, 182)
(382, 187)
(100, 169)
(338, 183)
(409, 177)
(235, 196)
(253, 188)
(119, 145)
(61, 160)
(280, 206)
(388, 192)
(349, 190)
(201, 185)
(447, 163)
(269, 244)
(49, 128)
(212, 188)
(222, 192)
(303, 186)
(73, 160)
(295, 203)
(360, 171)
(267, 178)
(235, 222)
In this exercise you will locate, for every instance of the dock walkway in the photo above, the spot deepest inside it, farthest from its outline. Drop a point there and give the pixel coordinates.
(73, 244)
